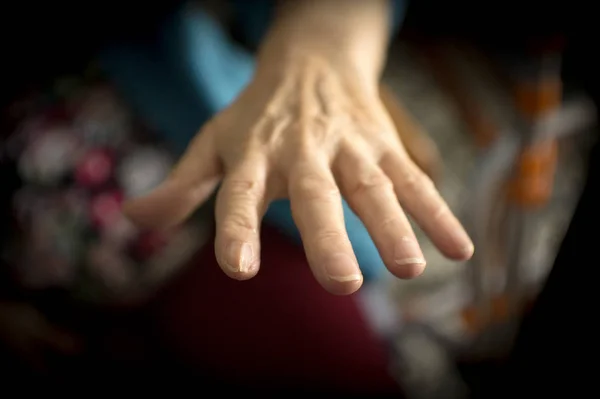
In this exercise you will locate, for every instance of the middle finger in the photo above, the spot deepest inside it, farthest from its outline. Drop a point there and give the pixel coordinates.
(317, 210)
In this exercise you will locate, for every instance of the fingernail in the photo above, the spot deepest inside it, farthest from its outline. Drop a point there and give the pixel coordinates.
(239, 257)
(464, 244)
(410, 261)
(342, 268)
(407, 253)
(468, 251)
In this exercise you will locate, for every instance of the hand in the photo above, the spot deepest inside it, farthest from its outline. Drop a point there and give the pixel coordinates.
(311, 131)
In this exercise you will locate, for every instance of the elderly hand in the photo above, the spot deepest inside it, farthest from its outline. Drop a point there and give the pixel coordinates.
(311, 130)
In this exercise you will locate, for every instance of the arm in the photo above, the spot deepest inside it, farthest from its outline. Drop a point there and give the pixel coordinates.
(355, 32)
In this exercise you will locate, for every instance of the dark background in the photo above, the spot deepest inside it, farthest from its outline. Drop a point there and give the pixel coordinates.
(41, 40)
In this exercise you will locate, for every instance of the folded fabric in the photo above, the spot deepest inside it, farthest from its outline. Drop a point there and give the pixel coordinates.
(305, 335)
(195, 71)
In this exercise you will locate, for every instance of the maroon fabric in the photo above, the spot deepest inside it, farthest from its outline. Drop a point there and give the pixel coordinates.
(280, 327)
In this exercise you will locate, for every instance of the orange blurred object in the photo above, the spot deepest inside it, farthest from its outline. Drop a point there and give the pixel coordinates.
(498, 312)
(534, 176)
(534, 99)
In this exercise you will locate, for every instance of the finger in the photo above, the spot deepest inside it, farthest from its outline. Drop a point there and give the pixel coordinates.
(425, 155)
(317, 210)
(423, 202)
(193, 180)
(241, 203)
(370, 193)
(419, 146)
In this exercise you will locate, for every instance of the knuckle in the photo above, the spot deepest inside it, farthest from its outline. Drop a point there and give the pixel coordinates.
(313, 187)
(330, 235)
(393, 221)
(245, 188)
(413, 181)
(239, 222)
(375, 182)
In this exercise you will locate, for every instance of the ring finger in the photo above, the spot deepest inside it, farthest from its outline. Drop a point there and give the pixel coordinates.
(371, 195)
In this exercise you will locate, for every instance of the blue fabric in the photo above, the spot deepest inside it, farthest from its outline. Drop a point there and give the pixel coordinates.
(194, 72)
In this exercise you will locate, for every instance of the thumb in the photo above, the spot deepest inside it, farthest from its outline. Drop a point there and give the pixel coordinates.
(193, 180)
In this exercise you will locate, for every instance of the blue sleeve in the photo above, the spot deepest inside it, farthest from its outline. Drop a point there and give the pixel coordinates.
(398, 13)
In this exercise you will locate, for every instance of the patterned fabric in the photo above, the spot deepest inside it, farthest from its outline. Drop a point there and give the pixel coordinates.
(79, 153)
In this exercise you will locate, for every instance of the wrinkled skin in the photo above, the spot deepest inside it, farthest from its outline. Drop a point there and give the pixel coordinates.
(312, 132)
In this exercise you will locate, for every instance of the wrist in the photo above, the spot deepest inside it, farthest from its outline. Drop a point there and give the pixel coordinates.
(349, 35)
(310, 67)
(276, 61)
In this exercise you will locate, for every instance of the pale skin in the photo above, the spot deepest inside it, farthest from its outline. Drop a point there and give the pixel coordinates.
(311, 127)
